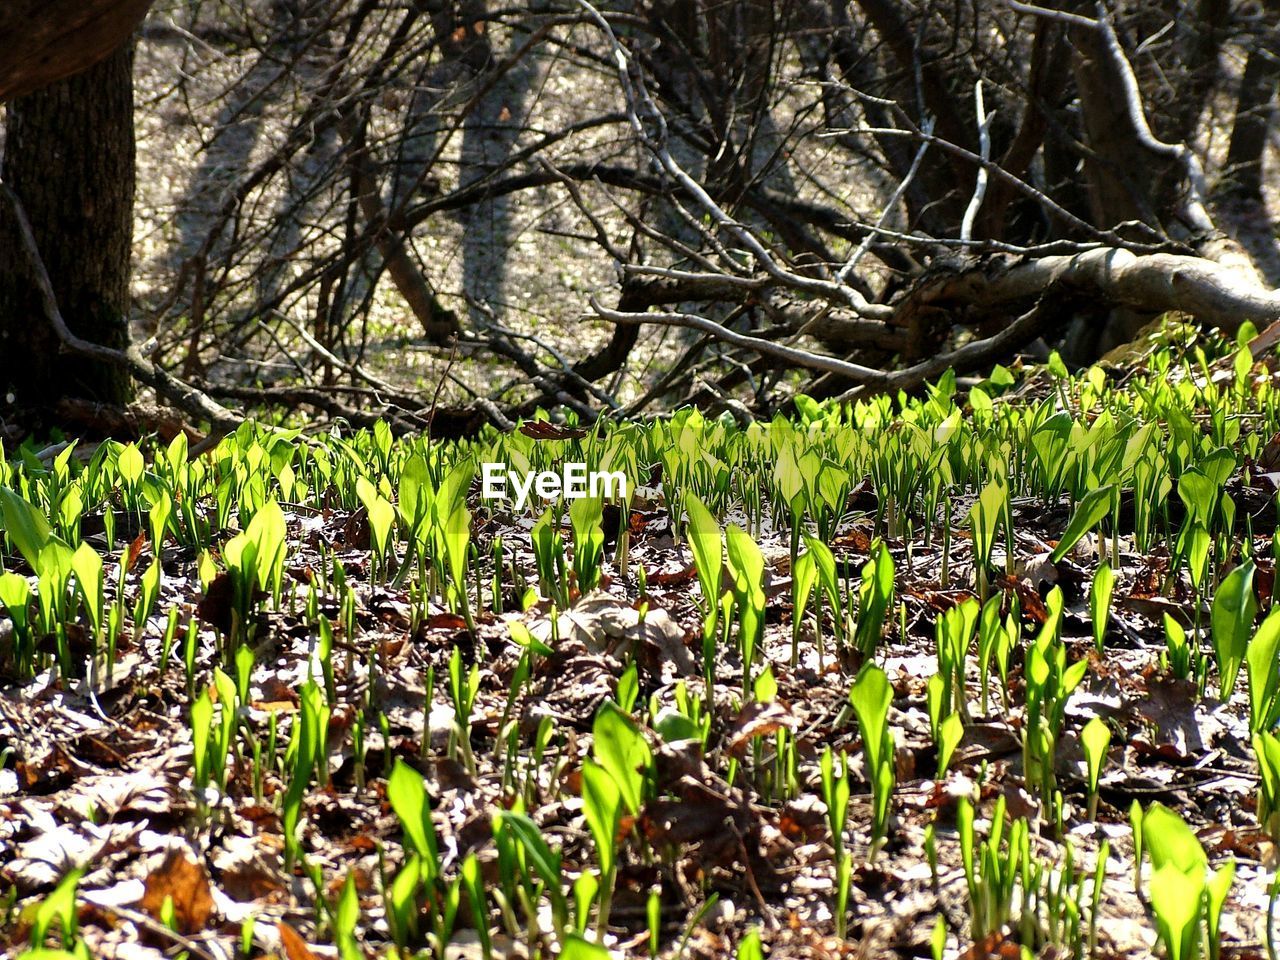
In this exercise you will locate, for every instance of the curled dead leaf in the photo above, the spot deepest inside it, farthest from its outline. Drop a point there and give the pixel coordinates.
(542, 430)
(759, 720)
(185, 883)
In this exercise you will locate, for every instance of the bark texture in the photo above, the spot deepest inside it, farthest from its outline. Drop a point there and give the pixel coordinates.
(69, 156)
(44, 41)
(1214, 294)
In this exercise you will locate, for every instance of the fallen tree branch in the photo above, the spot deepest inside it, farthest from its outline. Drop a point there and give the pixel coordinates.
(972, 355)
(801, 358)
(636, 96)
(1116, 272)
(1214, 294)
(134, 421)
(1197, 216)
(984, 151)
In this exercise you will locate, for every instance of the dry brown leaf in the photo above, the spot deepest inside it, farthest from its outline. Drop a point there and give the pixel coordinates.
(135, 550)
(672, 578)
(682, 822)
(804, 819)
(295, 948)
(1269, 458)
(542, 430)
(995, 944)
(185, 882)
(215, 606)
(759, 720)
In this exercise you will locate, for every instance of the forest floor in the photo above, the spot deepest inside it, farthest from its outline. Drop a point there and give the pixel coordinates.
(325, 700)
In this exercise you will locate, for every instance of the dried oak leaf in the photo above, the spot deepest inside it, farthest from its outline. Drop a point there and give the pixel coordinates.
(135, 550)
(1028, 598)
(855, 539)
(672, 578)
(187, 884)
(759, 720)
(295, 948)
(993, 945)
(1184, 729)
(215, 606)
(542, 430)
(662, 645)
(356, 532)
(674, 760)
(444, 621)
(247, 870)
(1269, 458)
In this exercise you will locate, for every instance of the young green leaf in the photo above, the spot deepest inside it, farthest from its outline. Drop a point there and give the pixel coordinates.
(747, 565)
(1263, 670)
(1095, 738)
(1175, 899)
(950, 733)
(620, 748)
(708, 548)
(28, 530)
(985, 518)
(407, 793)
(1089, 513)
(586, 517)
(87, 566)
(874, 597)
(1100, 603)
(1231, 622)
(1169, 841)
(59, 906)
(871, 696)
(576, 947)
(602, 805)
(1216, 890)
(381, 514)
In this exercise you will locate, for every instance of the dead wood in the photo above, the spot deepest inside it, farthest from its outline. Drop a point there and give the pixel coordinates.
(1216, 295)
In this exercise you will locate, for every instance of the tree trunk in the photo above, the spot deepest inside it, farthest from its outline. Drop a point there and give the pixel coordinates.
(48, 40)
(1121, 173)
(1252, 119)
(69, 156)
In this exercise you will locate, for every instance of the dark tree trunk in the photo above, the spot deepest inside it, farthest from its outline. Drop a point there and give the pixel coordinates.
(47, 40)
(1252, 119)
(1121, 173)
(69, 155)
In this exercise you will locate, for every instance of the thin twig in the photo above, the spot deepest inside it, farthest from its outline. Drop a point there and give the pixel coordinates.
(802, 358)
(1197, 215)
(984, 151)
(1062, 16)
(889, 207)
(160, 930)
(974, 353)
